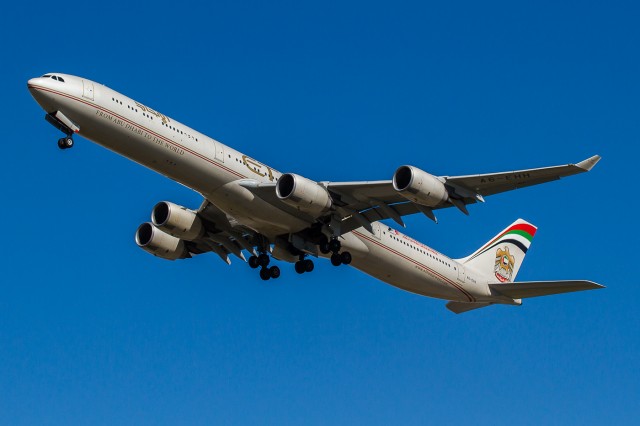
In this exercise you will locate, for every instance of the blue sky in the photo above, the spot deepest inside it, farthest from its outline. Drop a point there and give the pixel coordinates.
(95, 331)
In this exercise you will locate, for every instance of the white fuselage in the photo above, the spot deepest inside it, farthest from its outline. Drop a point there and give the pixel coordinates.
(207, 166)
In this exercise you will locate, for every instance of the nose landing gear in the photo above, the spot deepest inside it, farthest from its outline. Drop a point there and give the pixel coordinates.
(66, 142)
(65, 125)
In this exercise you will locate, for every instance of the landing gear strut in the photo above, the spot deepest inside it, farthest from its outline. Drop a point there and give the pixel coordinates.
(62, 123)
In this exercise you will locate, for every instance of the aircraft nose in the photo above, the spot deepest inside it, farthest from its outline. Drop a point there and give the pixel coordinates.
(31, 83)
(35, 83)
(35, 86)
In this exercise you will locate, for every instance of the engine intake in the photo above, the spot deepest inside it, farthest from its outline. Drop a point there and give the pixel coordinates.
(159, 243)
(419, 186)
(304, 194)
(177, 221)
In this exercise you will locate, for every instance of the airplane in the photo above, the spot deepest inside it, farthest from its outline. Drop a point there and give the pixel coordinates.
(251, 207)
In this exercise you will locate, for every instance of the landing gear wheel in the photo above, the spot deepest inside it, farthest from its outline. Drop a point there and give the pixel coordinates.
(336, 259)
(324, 247)
(308, 265)
(65, 143)
(299, 267)
(263, 260)
(253, 262)
(345, 257)
(335, 246)
(274, 272)
(265, 274)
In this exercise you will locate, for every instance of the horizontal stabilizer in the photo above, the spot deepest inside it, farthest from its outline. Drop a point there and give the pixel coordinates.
(523, 290)
(460, 307)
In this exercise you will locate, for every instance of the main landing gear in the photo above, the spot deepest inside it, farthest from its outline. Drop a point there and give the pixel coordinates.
(333, 246)
(262, 261)
(304, 265)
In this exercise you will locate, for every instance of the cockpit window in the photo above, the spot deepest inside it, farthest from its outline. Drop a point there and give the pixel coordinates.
(55, 77)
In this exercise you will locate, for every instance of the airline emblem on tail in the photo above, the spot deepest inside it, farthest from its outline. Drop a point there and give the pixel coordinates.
(505, 262)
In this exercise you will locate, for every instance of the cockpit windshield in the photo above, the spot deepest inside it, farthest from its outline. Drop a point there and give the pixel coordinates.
(55, 77)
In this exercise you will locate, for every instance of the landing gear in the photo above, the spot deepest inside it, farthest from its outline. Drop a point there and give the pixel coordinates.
(304, 265)
(337, 258)
(324, 247)
(264, 274)
(274, 271)
(267, 273)
(253, 262)
(58, 120)
(334, 245)
(262, 261)
(66, 142)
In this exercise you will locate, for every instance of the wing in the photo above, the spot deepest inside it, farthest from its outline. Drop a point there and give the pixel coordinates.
(358, 204)
(379, 200)
(223, 236)
(494, 183)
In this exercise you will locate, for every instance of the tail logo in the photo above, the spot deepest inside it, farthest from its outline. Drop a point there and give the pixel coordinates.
(505, 262)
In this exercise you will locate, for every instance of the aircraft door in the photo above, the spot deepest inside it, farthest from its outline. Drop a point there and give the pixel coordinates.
(377, 230)
(461, 273)
(214, 149)
(87, 89)
(219, 151)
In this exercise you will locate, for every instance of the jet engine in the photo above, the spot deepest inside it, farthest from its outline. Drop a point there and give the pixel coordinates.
(159, 243)
(304, 194)
(177, 221)
(419, 186)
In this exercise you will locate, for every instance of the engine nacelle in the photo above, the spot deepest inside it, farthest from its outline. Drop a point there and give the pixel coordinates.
(419, 186)
(304, 194)
(161, 244)
(177, 221)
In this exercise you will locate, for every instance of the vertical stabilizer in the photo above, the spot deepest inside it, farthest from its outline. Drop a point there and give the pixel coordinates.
(500, 259)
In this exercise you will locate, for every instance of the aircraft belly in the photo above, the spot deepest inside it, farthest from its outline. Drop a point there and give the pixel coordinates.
(148, 148)
(387, 266)
(186, 166)
(254, 212)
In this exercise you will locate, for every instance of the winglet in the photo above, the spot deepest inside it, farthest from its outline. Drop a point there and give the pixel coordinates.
(589, 163)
